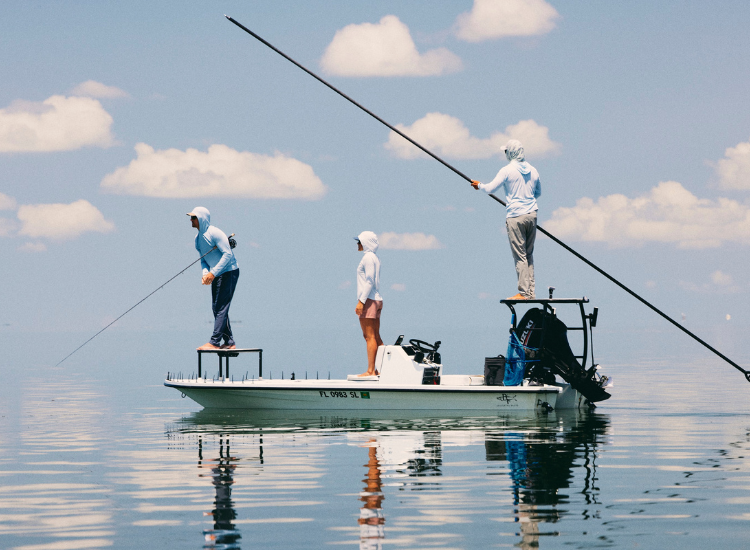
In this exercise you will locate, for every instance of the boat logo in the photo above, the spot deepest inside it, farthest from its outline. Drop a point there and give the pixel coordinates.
(527, 333)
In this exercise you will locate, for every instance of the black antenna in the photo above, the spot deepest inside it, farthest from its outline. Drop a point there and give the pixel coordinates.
(467, 178)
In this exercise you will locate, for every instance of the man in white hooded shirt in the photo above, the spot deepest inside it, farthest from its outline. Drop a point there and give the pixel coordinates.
(369, 300)
(522, 187)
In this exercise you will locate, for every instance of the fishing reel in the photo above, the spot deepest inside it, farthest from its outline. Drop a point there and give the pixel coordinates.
(232, 242)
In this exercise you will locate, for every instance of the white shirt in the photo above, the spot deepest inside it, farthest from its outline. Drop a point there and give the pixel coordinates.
(522, 187)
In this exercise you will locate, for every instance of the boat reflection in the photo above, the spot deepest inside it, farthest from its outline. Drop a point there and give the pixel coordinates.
(531, 464)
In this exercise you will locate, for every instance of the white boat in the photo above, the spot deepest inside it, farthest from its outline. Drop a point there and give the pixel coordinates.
(411, 377)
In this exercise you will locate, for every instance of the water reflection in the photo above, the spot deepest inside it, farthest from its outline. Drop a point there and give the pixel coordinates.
(224, 535)
(371, 518)
(530, 466)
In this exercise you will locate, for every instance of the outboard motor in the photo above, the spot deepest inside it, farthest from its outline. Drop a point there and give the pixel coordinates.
(545, 339)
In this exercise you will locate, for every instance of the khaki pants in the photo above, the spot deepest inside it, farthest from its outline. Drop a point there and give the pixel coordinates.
(521, 234)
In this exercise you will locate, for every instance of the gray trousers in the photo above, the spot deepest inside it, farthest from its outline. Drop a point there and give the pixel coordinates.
(522, 234)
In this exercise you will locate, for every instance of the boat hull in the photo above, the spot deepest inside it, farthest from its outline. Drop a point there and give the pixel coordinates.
(353, 396)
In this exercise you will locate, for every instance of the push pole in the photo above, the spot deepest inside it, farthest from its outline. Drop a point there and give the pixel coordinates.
(467, 178)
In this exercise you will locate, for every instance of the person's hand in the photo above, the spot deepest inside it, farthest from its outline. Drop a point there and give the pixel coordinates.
(208, 278)
(475, 184)
(359, 309)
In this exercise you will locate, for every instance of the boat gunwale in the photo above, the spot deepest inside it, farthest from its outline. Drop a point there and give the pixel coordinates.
(360, 386)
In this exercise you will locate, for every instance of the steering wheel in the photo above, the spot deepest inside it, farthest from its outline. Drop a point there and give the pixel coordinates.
(423, 346)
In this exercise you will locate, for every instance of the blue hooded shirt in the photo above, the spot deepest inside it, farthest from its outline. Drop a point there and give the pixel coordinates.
(220, 260)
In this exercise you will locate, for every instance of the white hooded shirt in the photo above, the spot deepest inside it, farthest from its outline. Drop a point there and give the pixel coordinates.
(368, 270)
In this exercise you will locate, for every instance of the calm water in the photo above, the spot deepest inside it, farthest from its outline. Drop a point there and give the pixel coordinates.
(100, 455)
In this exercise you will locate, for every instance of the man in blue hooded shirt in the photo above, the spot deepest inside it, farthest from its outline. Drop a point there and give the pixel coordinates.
(522, 188)
(220, 271)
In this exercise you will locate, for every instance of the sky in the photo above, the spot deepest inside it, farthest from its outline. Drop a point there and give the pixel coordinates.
(116, 119)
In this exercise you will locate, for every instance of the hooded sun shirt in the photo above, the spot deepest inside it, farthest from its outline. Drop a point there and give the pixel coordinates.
(368, 270)
(520, 181)
(220, 260)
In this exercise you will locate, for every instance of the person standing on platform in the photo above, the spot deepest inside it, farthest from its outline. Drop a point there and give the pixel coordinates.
(522, 187)
(220, 271)
(369, 300)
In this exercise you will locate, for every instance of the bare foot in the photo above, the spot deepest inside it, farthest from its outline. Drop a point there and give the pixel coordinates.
(227, 346)
(518, 296)
(209, 345)
(365, 374)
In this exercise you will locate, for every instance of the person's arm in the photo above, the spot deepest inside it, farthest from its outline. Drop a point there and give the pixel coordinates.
(221, 242)
(204, 264)
(492, 186)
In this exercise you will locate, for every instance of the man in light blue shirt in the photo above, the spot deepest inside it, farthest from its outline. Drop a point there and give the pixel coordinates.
(220, 270)
(522, 188)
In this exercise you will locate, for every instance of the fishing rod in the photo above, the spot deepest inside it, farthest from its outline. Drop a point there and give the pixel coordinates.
(232, 244)
(467, 178)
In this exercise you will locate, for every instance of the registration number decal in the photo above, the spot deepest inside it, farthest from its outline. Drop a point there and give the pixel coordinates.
(345, 394)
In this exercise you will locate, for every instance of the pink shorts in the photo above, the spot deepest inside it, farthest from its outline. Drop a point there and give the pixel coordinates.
(371, 310)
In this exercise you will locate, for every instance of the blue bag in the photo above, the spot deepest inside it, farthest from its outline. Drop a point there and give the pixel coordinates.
(515, 361)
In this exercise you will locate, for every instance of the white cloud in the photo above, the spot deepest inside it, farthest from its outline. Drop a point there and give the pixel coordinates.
(384, 49)
(219, 172)
(399, 287)
(490, 19)
(6, 202)
(447, 136)
(733, 171)
(720, 282)
(8, 227)
(56, 124)
(345, 285)
(669, 213)
(408, 241)
(61, 221)
(32, 247)
(92, 88)
(720, 278)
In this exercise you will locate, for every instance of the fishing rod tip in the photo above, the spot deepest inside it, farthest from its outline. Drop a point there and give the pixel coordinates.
(225, 15)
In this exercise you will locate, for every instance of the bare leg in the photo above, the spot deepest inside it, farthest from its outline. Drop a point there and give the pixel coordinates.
(371, 334)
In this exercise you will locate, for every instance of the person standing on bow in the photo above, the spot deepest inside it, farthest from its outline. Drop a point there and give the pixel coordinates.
(520, 182)
(220, 271)
(369, 300)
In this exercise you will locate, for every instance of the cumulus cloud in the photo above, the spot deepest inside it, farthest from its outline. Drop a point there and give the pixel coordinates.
(490, 19)
(408, 241)
(6, 202)
(8, 227)
(720, 278)
(92, 88)
(56, 124)
(219, 172)
(399, 287)
(669, 213)
(733, 171)
(61, 221)
(720, 282)
(384, 49)
(447, 136)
